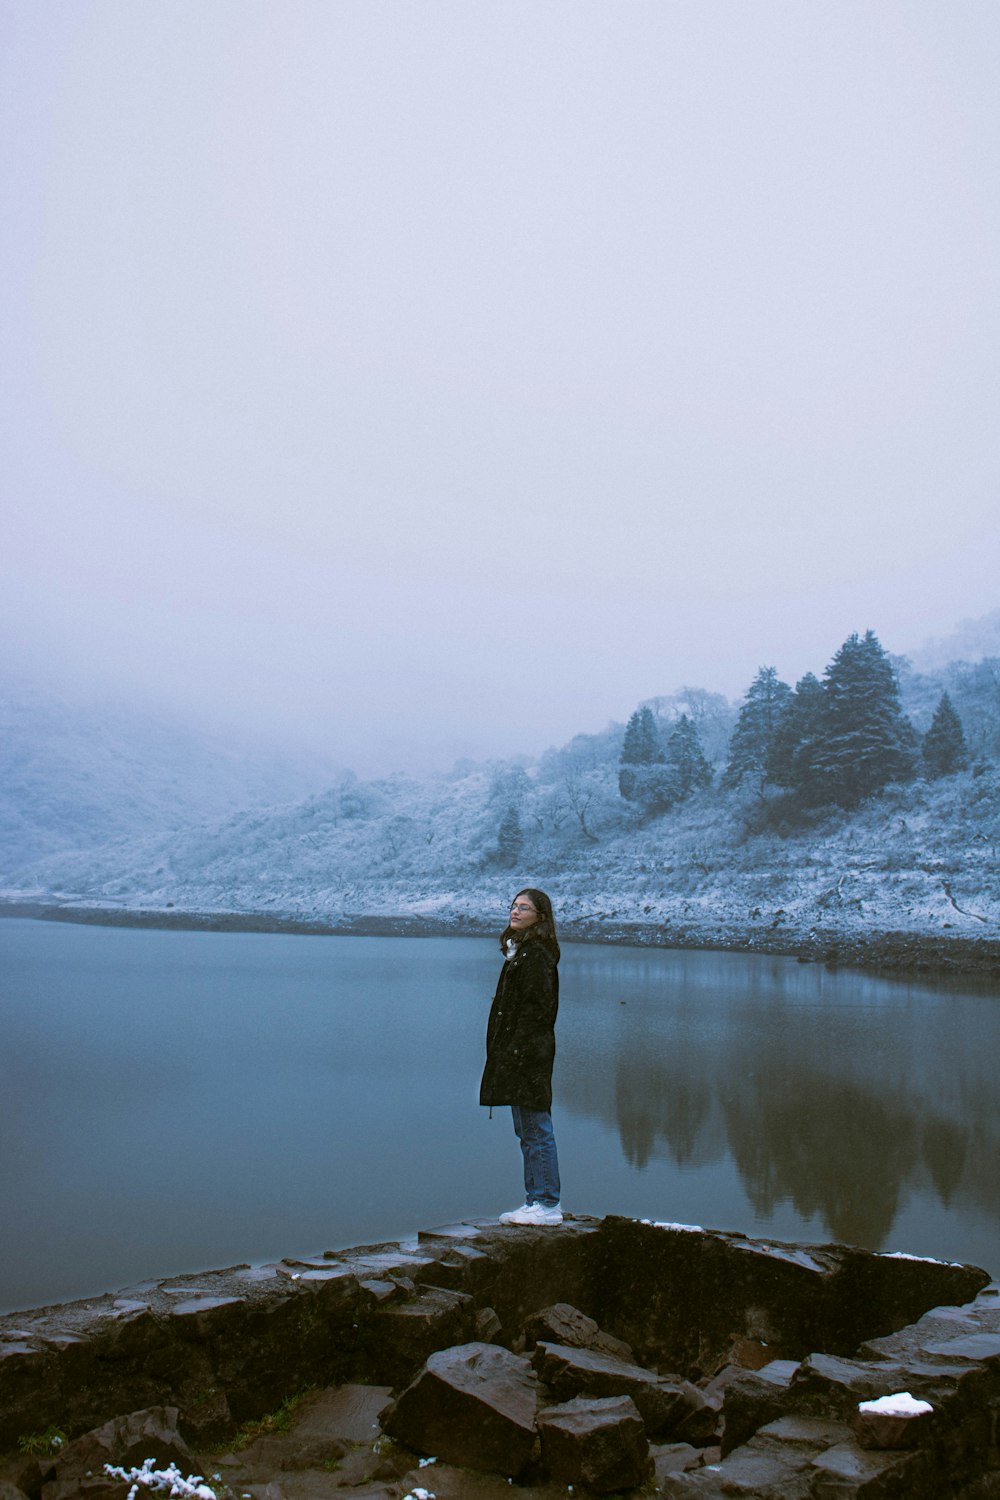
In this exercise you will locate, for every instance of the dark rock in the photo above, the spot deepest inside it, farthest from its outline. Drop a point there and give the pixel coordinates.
(562, 1324)
(380, 1291)
(458, 1232)
(530, 1268)
(691, 1295)
(391, 1264)
(777, 1464)
(331, 1285)
(348, 1412)
(474, 1405)
(204, 1415)
(234, 1344)
(702, 1423)
(808, 1432)
(330, 1444)
(847, 1470)
(130, 1330)
(461, 1268)
(274, 1452)
(777, 1373)
(125, 1442)
(753, 1398)
(768, 1475)
(403, 1334)
(463, 1264)
(756, 1472)
(749, 1354)
(673, 1458)
(891, 1291)
(202, 1317)
(26, 1475)
(833, 1387)
(981, 1347)
(488, 1326)
(599, 1442)
(569, 1372)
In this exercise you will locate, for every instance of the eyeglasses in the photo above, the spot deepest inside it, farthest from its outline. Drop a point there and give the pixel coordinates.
(523, 906)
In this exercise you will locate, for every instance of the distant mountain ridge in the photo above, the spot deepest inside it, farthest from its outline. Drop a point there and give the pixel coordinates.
(76, 777)
(970, 641)
(107, 809)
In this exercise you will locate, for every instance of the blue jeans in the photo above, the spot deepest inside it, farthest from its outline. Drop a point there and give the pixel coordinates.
(538, 1147)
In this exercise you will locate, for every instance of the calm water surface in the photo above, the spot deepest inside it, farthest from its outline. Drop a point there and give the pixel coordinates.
(174, 1100)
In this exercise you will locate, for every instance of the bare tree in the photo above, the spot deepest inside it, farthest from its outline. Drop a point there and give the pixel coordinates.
(579, 792)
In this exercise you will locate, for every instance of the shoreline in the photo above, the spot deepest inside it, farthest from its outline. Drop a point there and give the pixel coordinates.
(894, 953)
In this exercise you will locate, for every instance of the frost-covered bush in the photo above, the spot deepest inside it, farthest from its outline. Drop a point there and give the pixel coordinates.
(168, 1481)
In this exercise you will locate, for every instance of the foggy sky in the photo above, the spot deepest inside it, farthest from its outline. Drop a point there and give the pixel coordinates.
(423, 379)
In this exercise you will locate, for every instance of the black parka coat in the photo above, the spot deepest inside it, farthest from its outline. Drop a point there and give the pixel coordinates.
(520, 1035)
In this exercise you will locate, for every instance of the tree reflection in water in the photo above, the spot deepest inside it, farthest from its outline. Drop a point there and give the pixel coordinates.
(842, 1094)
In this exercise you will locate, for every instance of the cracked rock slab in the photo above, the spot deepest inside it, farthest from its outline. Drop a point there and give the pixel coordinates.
(597, 1441)
(473, 1405)
(571, 1372)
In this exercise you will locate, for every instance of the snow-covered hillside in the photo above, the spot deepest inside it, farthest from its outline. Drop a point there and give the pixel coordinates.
(139, 822)
(920, 859)
(77, 777)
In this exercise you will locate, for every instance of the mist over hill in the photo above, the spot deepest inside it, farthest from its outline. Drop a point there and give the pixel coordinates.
(78, 777)
(969, 642)
(106, 809)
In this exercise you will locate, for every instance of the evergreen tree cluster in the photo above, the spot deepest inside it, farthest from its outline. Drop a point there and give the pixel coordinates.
(838, 741)
(655, 773)
(830, 742)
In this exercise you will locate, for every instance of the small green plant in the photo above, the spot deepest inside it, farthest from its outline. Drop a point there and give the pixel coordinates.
(202, 1398)
(275, 1421)
(38, 1444)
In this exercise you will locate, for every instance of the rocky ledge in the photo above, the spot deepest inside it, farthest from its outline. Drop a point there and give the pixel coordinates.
(609, 1355)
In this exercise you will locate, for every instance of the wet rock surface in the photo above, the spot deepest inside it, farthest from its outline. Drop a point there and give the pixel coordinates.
(661, 1403)
(594, 1441)
(475, 1405)
(387, 1369)
(562, 1324)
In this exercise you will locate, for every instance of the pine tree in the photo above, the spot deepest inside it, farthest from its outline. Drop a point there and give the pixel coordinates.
(867, 740)
(686, 759)
(943, 749)
(641, 747)
(756, 728)
(510, 838)
(798, 735)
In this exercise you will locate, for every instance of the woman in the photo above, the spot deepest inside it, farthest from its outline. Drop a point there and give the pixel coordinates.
(521, 1046)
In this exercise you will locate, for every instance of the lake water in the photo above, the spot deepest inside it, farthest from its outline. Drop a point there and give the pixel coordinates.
(175, 1101)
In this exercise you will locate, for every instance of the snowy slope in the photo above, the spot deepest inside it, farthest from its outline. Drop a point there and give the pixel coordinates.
(921, 858)
(97, 811)
(79, 777)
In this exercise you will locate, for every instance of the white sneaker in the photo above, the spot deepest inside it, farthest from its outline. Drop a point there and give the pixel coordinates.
(509, 1217)
(533, 1213)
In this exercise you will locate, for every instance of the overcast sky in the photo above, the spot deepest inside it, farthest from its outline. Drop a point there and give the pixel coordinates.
(422, 378)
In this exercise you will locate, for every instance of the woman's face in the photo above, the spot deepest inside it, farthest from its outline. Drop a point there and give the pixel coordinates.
(523, 913)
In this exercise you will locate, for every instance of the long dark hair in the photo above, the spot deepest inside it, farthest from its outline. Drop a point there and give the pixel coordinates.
(541, 931)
